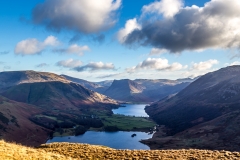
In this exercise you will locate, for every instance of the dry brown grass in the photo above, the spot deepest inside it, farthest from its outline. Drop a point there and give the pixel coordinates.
(85, 151)
(11, 151)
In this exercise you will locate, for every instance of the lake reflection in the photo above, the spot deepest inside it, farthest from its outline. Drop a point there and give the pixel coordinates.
(116, 140)
(132, 110)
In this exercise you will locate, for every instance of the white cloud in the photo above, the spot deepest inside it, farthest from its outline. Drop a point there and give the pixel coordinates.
(233, 63)
(33, 46)
(41, 65)
(157, 51)
(130, 26)
(74, 49)
(70, 63)
(215, 25)
(88, 16)
(168, 8)
(94, 66)
(202, 66)
(51, 41)
(156, 64)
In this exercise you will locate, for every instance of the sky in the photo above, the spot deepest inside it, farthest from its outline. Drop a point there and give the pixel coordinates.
(119, 39)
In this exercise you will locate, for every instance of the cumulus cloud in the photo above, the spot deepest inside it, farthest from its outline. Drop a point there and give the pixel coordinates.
(73, 49)
(157, 51)
(95, 66)
(156, 64)
(202, 66)
(70, 63)
(130, 26)
(168, 8)
(33, 46)
(215, 25)
(233, 63)
(41, 65)
(87, 16)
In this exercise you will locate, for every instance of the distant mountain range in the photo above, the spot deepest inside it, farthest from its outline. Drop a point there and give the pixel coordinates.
(99, 87)
(135, 91)
(203, 115)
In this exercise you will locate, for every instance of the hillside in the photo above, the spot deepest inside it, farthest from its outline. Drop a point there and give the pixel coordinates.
(143, 90)
(67, 151)
(56, 95)
(126, 90)
(199, 109)
(89, 85)
(16, 126)
(12, 78)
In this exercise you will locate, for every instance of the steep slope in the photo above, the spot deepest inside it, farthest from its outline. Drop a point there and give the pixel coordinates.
(62, 105)
(160, 88)
(143, 90)
(206, 98)
(125, 90)
(8, 79)
(221, 133)
(57, 95)
(16, 126)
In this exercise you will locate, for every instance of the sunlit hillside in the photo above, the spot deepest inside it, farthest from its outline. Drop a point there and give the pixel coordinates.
(9, 151)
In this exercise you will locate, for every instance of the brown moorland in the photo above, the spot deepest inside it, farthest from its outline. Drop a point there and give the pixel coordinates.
(85, 151)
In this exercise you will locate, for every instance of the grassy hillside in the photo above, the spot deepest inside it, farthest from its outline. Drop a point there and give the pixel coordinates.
(71, 151)
(12, 78)
(16, 126)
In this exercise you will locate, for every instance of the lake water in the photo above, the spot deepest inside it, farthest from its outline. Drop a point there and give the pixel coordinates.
(117, 140)
(132, 110)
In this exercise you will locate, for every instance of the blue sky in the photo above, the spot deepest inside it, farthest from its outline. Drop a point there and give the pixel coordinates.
(118, 39)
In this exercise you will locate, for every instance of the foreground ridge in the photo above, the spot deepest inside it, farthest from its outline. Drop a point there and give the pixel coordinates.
(74, 151)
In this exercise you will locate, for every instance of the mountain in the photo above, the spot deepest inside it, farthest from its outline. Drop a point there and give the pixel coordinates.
(90, 85)
(125, 90)
(12, 78)
(205, 111)
(16, 126)
(40, 104)
(143, 90)
(106, 83)
(56, 95)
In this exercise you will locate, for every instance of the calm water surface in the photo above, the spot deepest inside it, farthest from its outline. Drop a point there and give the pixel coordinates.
(132, 110)
(117, 140)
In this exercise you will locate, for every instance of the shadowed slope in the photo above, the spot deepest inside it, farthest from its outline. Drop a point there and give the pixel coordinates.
(203, 115)
(16, 126)
(58, 95)
(143, 90)
(208, 97)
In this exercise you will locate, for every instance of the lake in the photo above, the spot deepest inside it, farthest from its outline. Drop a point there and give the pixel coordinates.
(116, 140)
(132, 110)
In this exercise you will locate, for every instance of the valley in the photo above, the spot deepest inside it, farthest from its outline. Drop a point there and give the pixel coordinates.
(205, 110)
(63, 108)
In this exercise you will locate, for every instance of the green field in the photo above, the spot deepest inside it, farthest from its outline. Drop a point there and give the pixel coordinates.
(127, 123)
